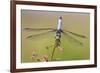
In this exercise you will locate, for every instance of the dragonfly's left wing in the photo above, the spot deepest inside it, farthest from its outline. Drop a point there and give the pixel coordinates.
(75, 34)
(36, 35)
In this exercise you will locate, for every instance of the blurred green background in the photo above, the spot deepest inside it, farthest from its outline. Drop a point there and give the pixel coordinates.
(75, 22)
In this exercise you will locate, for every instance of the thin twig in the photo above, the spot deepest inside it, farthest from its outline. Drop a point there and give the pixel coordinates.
(53, 53)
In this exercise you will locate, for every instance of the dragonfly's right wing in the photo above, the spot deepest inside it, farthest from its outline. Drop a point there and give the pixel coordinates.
(72, 38)
(75, 34)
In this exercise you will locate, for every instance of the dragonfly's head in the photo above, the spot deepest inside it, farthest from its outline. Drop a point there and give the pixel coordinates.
(60, 17)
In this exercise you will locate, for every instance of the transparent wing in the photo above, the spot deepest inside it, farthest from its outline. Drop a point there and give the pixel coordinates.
(72, 39)
(34, 36)
(38, 29)
(78, 35)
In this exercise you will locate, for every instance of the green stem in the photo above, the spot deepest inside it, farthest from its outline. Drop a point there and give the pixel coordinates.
(53, 53)
(57, 43)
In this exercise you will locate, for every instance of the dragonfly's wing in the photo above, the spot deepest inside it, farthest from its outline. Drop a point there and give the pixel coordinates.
(33, 36)
(78, 35)
(72, 39)
(38, 29)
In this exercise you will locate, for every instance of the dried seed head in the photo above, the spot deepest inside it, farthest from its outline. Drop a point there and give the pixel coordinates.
(45, 57)
(38, 59)
(34, 56)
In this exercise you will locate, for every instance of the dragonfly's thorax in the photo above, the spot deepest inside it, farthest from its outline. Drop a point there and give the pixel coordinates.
(58, 34)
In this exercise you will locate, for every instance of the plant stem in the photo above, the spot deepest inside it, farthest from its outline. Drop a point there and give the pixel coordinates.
(57, 43)
(53, 53)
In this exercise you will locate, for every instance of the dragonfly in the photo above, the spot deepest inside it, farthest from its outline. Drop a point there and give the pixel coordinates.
(58, 34)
